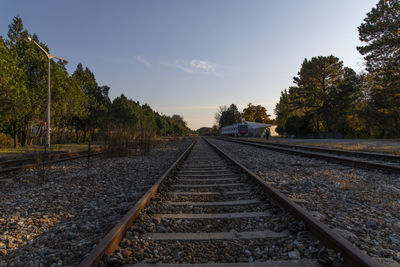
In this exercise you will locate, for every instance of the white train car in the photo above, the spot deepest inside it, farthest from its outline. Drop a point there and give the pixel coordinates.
(237, 129)
(248, 128)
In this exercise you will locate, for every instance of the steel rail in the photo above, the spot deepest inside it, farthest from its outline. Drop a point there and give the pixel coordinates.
(350, 253)
(57, 158)
(110, 242)
(327, 157)
(361, 154)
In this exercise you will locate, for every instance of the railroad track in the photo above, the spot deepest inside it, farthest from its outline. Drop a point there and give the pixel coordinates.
(365, 160)
(42, 159)
(208, 208)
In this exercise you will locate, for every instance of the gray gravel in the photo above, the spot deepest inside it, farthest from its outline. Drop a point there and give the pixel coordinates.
(55, 216)
(363, 206)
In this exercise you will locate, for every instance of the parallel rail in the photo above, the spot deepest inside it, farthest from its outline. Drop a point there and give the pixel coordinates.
(29, 163)
(329, 155)
(352, 255)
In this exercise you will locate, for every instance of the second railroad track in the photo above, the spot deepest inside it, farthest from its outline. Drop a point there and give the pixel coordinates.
(366, 160)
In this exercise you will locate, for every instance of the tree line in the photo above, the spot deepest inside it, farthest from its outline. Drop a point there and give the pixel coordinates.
(329, 97)
(81, 109)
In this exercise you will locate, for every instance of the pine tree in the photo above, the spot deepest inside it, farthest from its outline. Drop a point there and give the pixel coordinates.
(380, 33)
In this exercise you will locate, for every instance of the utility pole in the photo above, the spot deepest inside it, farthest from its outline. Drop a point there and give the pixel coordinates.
(49, 57)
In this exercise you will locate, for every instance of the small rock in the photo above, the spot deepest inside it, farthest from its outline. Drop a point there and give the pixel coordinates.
(346, 234)
(247, 252)
(371, 224)
(126, 253)
(386, 253)
(294, 254)
(396, 226)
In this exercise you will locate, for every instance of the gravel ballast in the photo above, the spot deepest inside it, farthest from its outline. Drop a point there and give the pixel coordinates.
(363, 206)
(54, 216)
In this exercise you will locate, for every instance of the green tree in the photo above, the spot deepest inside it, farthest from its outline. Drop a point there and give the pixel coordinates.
(98, 101)
(256, 114)
(227, 115)
(283, 110)
(178, 119)
(124, 112)
(68, 102)
(317, 80)
(341, 102)
(33, 62)
(380, 33)
(13, 94)
(327, 96)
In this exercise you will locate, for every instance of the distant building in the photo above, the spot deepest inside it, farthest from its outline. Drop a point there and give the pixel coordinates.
(257, 129)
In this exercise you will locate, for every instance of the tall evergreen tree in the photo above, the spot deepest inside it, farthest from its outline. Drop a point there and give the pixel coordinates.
(283, 110)
(98, 100)
(228, 115)
(33, 62)
(13, 94)
(380, 33)
(317, 80)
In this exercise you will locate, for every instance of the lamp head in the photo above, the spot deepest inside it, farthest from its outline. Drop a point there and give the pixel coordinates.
(28, 38)
(65, 61)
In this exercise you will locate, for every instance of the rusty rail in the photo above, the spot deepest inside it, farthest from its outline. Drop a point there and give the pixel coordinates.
(352, 254)
(110, 242)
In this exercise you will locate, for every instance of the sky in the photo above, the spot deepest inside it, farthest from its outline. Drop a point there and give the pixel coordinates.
(189, 57)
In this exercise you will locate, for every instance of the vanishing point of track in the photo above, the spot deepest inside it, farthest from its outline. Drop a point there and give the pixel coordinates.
(208, 203)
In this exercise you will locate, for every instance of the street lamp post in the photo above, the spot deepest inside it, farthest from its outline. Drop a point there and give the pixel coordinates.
(49, 57)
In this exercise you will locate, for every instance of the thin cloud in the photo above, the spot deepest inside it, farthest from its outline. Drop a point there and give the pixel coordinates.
(196, 66)
(142, 60)
(203, 66)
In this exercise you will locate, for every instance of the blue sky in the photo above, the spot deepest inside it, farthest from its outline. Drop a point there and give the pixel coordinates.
(190, 57)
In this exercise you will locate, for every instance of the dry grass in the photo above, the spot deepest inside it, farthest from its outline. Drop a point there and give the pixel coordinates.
(13, 153)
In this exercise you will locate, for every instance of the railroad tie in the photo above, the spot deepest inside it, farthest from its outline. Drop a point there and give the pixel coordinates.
(267, 234)
(206, 175)
(208, 185)
(178, 193)
(209, 180)
(279, 263)
(216, 216)
(215, 203)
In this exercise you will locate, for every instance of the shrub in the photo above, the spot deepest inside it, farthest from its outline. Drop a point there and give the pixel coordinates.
(5, 141)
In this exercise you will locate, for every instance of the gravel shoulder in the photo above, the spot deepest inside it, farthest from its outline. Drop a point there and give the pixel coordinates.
(54, 216)
(363, 206)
